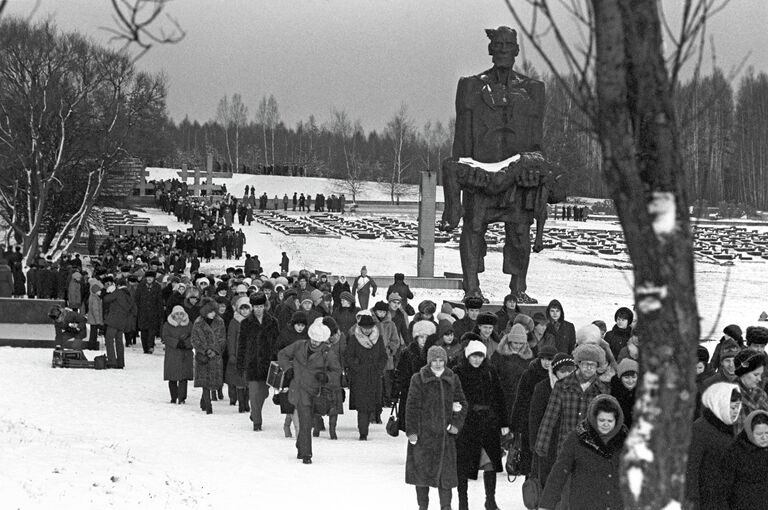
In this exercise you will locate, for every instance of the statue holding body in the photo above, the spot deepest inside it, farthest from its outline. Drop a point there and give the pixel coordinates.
(498, 165)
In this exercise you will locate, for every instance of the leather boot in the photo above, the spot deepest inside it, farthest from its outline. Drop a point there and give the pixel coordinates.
(332, 426)
(489, 480)
(241, 401)
(214, 394)
(462, 490)
(207, 401)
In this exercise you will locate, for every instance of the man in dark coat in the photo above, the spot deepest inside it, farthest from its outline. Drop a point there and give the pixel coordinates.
(149, 305)
(120, 309)
(257, 347)
(435, 412)
(6, 279)
(400, 287)
(467, 323)
(366, 358)
(559, 332)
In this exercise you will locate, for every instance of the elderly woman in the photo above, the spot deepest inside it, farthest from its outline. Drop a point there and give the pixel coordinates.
(236, 385)
(208, 339)
(366, 358)
(435, 411)
(749, 368)
(177, 364)
(745, 467)
(510, 360)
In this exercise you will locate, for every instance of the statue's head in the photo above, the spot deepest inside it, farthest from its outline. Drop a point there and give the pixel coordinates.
(503, 46)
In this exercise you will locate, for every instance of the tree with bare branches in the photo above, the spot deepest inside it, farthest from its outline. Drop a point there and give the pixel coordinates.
(625, 85)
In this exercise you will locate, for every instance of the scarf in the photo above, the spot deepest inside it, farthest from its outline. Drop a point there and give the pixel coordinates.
(367, 341)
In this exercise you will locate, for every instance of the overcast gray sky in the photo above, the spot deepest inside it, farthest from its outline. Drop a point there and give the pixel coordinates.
(365, 56)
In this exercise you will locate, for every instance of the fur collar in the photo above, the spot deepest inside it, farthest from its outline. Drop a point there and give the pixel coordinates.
(174, 323)
(427, 375)
(367, 341)
(591, 438)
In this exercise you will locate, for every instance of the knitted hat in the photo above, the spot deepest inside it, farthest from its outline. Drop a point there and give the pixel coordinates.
(444, 327)
(702, 354)
(299, 317)
(318, 331)
(424, 328)
(757, 335)
(728, 349)
(589, 352)
(486, 319)
(547, 352)
(624, 313)
(241, 289)
(258, 299)
(473, 303)
(517, 333)
(380, 306)
(427, 307)
(305, 296)
(394, 297)
(746, 361)
(207, 305)
(436, 352)
(562, 360)
(446, 308)
(475, 347)
(734, 331)
(365, 319)
(589, 334)
(627, 365)
(316, 296)
(525, 320)
(347, 296)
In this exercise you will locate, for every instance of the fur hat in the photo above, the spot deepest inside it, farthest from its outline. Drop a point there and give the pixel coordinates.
(436, 352)
(299, 317)
(207, 305)
(473, 303)
(525, 320)
(562, 360)
(757, 335)
(424, 328)
(258, 299)
(589, 352)
(627, 365)
(729, 349)
(318, 331)
(486, 319)
(548, 352)
(734, 331)
(150, 274)
(624, 313)
(241, 289)
(399, 277)
(427, 307)
(365, 319)
(380, 306)
(444, 327)
(347, 296)
(475, 347)
(589, 334)
(702, 354)
(746, 361)
(517, 333)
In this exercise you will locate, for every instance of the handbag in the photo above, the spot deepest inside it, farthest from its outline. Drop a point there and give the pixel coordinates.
(393, 427)
(531, 493)
(324, 402)
(514, 460)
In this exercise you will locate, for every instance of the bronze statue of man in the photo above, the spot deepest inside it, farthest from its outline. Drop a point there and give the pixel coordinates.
(499, 114)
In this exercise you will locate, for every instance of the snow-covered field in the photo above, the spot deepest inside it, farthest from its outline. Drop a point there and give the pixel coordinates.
(95, 439)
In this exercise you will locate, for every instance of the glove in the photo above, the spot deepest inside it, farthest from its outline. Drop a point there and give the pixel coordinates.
(413, 438)
(321, 377)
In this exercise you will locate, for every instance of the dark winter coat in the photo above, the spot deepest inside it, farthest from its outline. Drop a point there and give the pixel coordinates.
(617, 339)
(510, 368)
(257, 346)
(6, 281)
(704, 479)
(391, 338)
(178, 361)
(745, 472)
(365, 368)
(593, 468)
(537, 407)
(432, 460)
(567, 406)
(121, 309)
(403, 289)
(345, 318)
(232, 375)
(486, 414)
(625, 397)
(528, 381)
(149, 305)
(209, 342)
(289, 335)
(19, 282)
(561, 334)
(411, 361)
(463, 325)
(64, 329)
(306, 365)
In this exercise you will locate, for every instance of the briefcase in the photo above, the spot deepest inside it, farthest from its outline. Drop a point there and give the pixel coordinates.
(275, 376)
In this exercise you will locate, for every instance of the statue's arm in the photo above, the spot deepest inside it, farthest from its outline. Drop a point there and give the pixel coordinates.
(536, 92)
(462, 140)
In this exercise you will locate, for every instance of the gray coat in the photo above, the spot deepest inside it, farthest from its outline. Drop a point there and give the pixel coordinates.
(177, 365)
(232, 375)
(209, 369)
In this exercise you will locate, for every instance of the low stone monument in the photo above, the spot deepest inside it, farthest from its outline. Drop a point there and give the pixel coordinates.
(498, 165)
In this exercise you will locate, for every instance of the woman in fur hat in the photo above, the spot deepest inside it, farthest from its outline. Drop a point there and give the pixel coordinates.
(478, 445)
(208, 338)
(411, 360)
(590, 458)
(590, 334)
(730, 332)
(366, 359)
(236, 385)
(711, 439)
(484, 328)
(426, 312)
(510, 360)
(296, 330)
(178, 360)
(192, 303)
(560, 333)
(749, 370)
(745, 466)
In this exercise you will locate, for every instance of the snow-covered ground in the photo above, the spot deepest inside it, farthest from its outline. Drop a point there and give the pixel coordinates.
(280, 185)
(94, 439)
